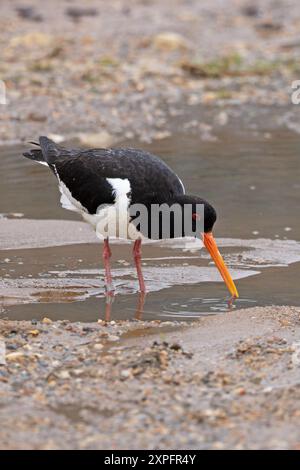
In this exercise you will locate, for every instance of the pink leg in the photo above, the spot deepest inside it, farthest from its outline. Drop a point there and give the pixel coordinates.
(137, 259)
(140, 307)
(108, 278)
(108, 304)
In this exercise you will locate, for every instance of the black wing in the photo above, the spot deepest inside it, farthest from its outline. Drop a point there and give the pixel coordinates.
(86, 182)
(85, 173)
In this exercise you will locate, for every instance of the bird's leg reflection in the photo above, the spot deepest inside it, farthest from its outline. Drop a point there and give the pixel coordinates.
(109, 299)
(108, 277)
(137, 255)
(108, 303)
(140, 306)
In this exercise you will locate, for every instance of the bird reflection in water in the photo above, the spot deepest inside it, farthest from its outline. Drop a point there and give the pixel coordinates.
(138, 312)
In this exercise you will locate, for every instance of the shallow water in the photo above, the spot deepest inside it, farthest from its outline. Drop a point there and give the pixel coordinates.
(250, 177)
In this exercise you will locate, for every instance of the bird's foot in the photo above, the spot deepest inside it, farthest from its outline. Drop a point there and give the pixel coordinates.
(231, 301)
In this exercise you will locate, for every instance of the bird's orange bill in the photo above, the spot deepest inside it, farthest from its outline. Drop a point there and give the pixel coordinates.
(211, 246)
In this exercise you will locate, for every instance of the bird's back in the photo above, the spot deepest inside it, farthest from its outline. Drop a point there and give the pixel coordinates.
(89, 175)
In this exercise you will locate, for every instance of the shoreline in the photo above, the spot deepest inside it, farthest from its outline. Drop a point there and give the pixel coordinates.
(210, 385)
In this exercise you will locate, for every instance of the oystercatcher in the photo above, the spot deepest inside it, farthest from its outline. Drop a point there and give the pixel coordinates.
(105, 184)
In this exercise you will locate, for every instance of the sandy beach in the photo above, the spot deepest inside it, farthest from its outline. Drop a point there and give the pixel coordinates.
(229, 381)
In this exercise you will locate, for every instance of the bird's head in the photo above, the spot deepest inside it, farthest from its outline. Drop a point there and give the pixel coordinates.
(203, 215)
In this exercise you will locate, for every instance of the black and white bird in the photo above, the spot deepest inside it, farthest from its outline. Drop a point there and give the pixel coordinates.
(104, 184)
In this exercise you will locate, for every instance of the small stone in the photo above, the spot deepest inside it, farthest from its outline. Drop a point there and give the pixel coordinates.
(37, 117)
(34, 332)
(113, 338)
(208, 97)
(170, 41)
(176, 347)
(29, 13)
(77, 12)
(126, 373)
(46, 321)
(250, 10)
(240, 391)
(15, 356)
(162, 135)
(33, 39)
(2, 353)
(103, 334)
(56, 138)
(222, 118)
(100, 139)
(56, 364)
(62, 374)
(78, 372)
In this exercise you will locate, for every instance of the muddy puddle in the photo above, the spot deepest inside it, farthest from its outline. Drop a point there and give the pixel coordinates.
(52, 267)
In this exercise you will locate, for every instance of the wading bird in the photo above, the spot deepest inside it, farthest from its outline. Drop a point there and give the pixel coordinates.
(104, 184)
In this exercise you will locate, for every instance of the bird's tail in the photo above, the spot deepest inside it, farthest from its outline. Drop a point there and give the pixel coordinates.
(35, 154)
(47, 151)
(50, 149)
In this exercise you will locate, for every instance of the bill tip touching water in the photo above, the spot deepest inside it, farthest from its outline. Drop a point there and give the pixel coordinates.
(126, 193)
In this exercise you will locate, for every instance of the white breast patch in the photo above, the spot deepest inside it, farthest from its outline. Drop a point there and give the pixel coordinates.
(121, 189)
(113, 219)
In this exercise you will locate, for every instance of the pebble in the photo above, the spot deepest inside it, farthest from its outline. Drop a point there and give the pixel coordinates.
(34, 332)
(101, 139)
(113, 338)
(240, 391)
(170, 41)
(222, 118)
(126, 373)
(15, 356)
(62, 374)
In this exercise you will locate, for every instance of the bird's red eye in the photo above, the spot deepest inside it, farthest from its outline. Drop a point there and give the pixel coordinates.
(195, 216)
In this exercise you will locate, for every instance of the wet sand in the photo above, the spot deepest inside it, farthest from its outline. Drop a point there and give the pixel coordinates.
(229, 381)
(223, 381)
(20, 234)
(54, 268)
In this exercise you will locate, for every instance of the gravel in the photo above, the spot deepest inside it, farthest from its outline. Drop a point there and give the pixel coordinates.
(112, 72)
(229, 381)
